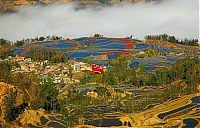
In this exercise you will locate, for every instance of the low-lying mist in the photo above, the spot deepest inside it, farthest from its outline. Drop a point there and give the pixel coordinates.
(174, 17)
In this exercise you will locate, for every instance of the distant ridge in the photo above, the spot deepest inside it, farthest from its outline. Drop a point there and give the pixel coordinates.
(10, 5)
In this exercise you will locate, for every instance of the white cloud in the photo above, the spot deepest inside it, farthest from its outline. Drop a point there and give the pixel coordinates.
(175, 17)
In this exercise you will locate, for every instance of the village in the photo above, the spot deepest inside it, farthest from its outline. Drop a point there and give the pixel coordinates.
(60, 72)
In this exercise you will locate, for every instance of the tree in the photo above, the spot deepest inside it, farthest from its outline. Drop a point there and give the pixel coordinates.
(164, 77)
(187, 70)
(86, 78)
(19, 43)
(9, 104)
(68, 117)
(101, 90)
(98, 35)
(48, 93)
(172, 39)
(5, 71)
(121, 69)
(70, 72)
(172, 92)
(5, 48)
(27, 83)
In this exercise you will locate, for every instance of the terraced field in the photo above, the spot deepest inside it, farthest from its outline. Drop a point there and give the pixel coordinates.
(105, 49)
(177, 113)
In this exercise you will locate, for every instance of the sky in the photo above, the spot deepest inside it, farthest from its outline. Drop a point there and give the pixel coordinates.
(175, 17)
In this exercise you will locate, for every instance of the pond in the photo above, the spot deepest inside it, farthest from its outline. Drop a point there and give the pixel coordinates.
(163, 115)
(105, 122)
(56, 125)
(190, 123)
(114, 46)
(43, 120)
(55, 119)
(194, 100)
(134, 64)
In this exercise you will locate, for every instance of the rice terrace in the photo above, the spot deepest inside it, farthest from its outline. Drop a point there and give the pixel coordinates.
(99, 63)
(100, 50)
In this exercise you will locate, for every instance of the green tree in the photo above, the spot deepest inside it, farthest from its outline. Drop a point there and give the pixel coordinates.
(98, 35)
(27, 83)
(187, 70)
(172, 39)
(9, 105)
(121, 69)
(5, 71)
(19, 43)
(48, 93)
(86, 78)
(5, 48)
(164, 76)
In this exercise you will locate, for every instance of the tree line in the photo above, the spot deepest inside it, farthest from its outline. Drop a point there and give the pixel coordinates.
(39, 53)
(19, 43)
(173, 39)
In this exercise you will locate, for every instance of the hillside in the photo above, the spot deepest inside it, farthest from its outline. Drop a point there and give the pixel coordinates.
(99, 81)
(11, 5)
(153, 54)
(182, 112)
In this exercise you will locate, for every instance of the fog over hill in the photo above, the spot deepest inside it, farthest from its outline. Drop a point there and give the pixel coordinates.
(175, 17)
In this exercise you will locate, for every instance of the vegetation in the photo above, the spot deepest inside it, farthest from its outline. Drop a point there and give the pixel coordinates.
(36, 94)
(98, 35)
(9, 103)
(187, 70)
(148, 53)
(28, 85)
(38, 53)
(23, 42)
(48, 95)
(121, 74)
(5, 70)
(173, 39)
(5, 48)
(121, 70)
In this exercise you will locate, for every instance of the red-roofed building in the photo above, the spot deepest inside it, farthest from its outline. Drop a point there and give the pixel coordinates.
(98, 69)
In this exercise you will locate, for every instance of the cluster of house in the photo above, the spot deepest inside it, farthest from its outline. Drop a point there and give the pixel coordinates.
(61, 72)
